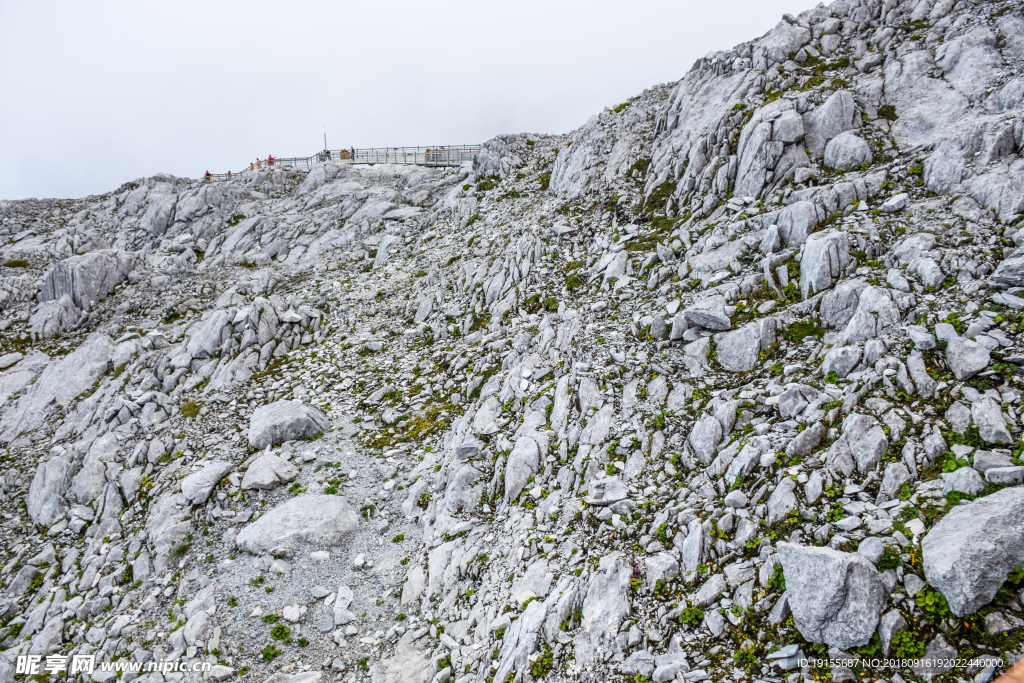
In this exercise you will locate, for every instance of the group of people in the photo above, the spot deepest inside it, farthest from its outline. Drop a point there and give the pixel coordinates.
(258, 164)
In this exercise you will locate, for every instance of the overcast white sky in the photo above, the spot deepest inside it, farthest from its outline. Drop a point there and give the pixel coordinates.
(94, 94)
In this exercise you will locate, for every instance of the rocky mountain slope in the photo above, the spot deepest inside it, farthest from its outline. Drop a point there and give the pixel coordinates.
(727, 379)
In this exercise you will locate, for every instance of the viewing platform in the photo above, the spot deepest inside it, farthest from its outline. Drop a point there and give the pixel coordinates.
(432, 157)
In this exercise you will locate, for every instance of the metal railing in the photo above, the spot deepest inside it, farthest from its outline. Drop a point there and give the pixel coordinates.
(434, 157)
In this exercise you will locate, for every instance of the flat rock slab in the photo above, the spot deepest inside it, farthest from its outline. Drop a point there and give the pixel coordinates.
(606, 491)
(314, 519)
(197, 486)
(268, 471)
(61, 381)
(709, 314)
(285, 421)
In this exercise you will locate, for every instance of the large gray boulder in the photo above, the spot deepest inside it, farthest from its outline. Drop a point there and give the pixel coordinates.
(740, 350)
(45, 502)
(662, 566)
(959, 416)
(520, 640)
(229, 375)
(788, 128)
(284, 421)
(530, 447)
(160, 214)
(268, 471)
(839, 304)
(915, 246)
(705, 437)
(966, 358)
(87, 278)
(1010, 272)
(386, 242)
(796, 221)
(919, 373)
(782, 501)
(835, 116)
(965, 480)
(841, 360)
(197, 486)
(969, 552)
(895, 203)
(522, 464)
(604, 609)
(988, 415)
(692, 550)
(640, 662)
(709, 314)
(782, 40)
(486, 419)
(835, 597)
(895, 476)
(313, 519)
(606, 491)
(206, 336)
(167, 527)
(927, 271)
(91, 479)
(825, 258)
(795, 399)
(268, 321)
(498, 156)
(876, 316)
(807, 440)
(758, 154)
(987, 460)
(1005, 475)
(888, 626)
(861, 446)
(939, 657)
(670, 667)
(22, 581)
(678, 327)
(847, 152)
(53, 317)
